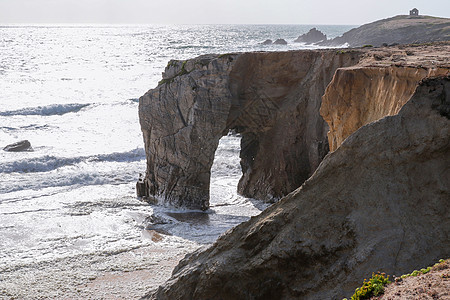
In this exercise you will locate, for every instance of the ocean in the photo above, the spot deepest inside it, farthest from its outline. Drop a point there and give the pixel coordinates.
(68, 211)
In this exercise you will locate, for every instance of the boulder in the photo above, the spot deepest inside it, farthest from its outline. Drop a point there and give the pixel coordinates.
(280, 42)
(267, 42)
(311, 37)
(377, 203)
(141, 188)
(24, 145)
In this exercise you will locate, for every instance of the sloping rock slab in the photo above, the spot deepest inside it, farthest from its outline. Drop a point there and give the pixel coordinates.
(379, 202)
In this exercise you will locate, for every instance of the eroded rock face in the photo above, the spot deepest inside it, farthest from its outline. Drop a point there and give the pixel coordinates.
(272, 99)
(360, 95)
(379, 202)
(182, 121)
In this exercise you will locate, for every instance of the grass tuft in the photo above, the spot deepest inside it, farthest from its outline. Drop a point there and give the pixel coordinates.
(373, 287)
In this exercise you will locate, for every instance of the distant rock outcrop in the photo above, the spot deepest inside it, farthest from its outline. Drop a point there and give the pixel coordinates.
(267, 42)
(379, 202)
(311, 37)
(280, 42)
(398, 30)
(24, 145)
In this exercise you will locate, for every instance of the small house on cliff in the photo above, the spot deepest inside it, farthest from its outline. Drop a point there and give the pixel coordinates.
(414, 12)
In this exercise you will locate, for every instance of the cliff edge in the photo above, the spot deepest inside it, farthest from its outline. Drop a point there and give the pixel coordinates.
(379, 202)
(274, 99)
(378, 86)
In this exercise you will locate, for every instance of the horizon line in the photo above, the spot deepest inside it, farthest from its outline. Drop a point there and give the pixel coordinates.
(159, 24)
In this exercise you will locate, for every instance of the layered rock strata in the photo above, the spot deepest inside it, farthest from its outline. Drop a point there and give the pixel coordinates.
(272, 99)
(379, 202)
(360, 95)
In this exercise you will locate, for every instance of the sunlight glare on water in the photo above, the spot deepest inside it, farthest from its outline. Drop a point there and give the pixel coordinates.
(68, 209)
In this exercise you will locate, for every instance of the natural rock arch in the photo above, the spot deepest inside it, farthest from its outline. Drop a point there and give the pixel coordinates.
(272, 99)
(357, 213)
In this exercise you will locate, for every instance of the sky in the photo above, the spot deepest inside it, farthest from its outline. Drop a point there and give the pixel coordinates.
(335, 12)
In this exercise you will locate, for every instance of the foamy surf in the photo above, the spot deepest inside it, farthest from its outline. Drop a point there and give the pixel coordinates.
(70, 224)
(48, 110)
(48, 163)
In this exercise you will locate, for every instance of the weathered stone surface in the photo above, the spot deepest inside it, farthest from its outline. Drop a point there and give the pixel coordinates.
(24, 145)
(280, 42)
(182, 121)
(311, 37)
(381, 83)
(379, 202)
(360, 95)
(272, 99)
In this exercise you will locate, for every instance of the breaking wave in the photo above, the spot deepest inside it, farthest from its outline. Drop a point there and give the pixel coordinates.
(48, 163)
(48, 110)
(70, 179)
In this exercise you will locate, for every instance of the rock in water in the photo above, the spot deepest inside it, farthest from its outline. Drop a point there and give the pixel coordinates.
(24, 145)
(379, 202)
(313, 36)
(267, 42)
(141, 188)
(280, 42)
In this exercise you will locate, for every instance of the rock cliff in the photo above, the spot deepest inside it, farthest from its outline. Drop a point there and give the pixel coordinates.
(399, 29)
(381, 83)
(379, 202)
(358, 96)
(272, 99)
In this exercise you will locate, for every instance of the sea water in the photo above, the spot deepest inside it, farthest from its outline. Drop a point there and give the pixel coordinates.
(68, 208)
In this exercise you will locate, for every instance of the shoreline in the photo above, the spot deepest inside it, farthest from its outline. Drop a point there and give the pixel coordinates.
(126, 275)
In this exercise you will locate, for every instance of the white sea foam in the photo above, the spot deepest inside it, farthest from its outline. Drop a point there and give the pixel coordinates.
(68, 210)
(84, 174)
(48, 110)
(48, 163)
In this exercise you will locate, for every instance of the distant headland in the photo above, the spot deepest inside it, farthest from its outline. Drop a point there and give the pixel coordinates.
(403, 29)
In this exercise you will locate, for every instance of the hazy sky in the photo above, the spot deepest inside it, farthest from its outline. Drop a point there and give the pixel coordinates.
(214, 11)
